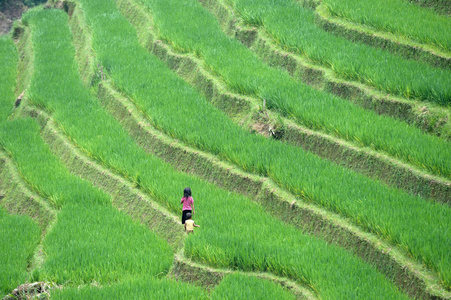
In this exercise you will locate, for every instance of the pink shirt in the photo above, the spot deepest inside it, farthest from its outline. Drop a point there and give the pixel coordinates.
(187, 203)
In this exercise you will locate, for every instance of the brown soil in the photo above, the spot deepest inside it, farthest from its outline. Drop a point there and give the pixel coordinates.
(10, 11)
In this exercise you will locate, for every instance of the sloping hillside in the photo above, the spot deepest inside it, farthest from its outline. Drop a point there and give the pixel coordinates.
(316, 145)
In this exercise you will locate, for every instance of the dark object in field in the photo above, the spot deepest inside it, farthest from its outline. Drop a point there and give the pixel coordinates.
(18, 100)
(29, 290)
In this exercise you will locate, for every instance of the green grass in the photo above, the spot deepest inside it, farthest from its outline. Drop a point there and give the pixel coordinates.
(8, 67)
(95, 243)
(175, 107)
(236, 286)
(191, 27)
(91, 240)
(233, 286)
(145, 288)
(19, 236)
(17, 137)
(102, 137)
(398, 17)
(293, 27)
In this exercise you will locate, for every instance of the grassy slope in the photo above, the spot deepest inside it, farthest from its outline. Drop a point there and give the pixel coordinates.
(232, 287)
(91, 240)
(81, 122)
(372, 205)
(145, 288)
(8, 65)
(398, 17)
(19, 236)
(293, 27)
(191, 28)
(237, 286)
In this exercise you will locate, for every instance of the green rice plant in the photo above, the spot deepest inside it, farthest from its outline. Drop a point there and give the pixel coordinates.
(8, 67)
(142, 288)
(18, 137)
(19, 236)
(237, 286)
(175, 107)
(293, 27)
(233, 286)
(91, 241)
(191, 27)
(97, 243)
(99, 134)
(398, 17)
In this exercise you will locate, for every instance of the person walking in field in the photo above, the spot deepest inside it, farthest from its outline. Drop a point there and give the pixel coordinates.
(189, 224)
(188, 204)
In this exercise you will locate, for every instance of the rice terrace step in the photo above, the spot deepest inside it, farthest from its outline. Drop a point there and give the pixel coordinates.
(314, 135)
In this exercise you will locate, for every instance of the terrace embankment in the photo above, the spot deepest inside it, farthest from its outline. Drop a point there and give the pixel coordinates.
(148, 213)
(439, 6)
(18, 198)
(85, 61)
(395, 44)
(295, 206)
(247, 111)
(428, 117)
(210, 277)
(22, 40)
(130, 199)
(284, 206)
(124, 195)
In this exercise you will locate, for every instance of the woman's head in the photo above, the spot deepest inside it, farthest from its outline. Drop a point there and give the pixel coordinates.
(187, 192)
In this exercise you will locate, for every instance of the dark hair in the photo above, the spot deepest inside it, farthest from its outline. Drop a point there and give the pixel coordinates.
(188, 215)
(187, 192)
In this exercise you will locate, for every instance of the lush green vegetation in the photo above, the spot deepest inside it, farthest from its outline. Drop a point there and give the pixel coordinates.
(81, 116)
(293, 26)
(8, 65)
(58, 187)
(143, 288)
(94, 243)
(236, 286)
(233, 286)
(169, 102)
(398, 17)
(91, 241)
(19, 236)
(98, 243)
(191, 27)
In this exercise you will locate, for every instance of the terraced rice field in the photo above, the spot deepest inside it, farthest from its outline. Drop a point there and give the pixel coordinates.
(316, 144)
